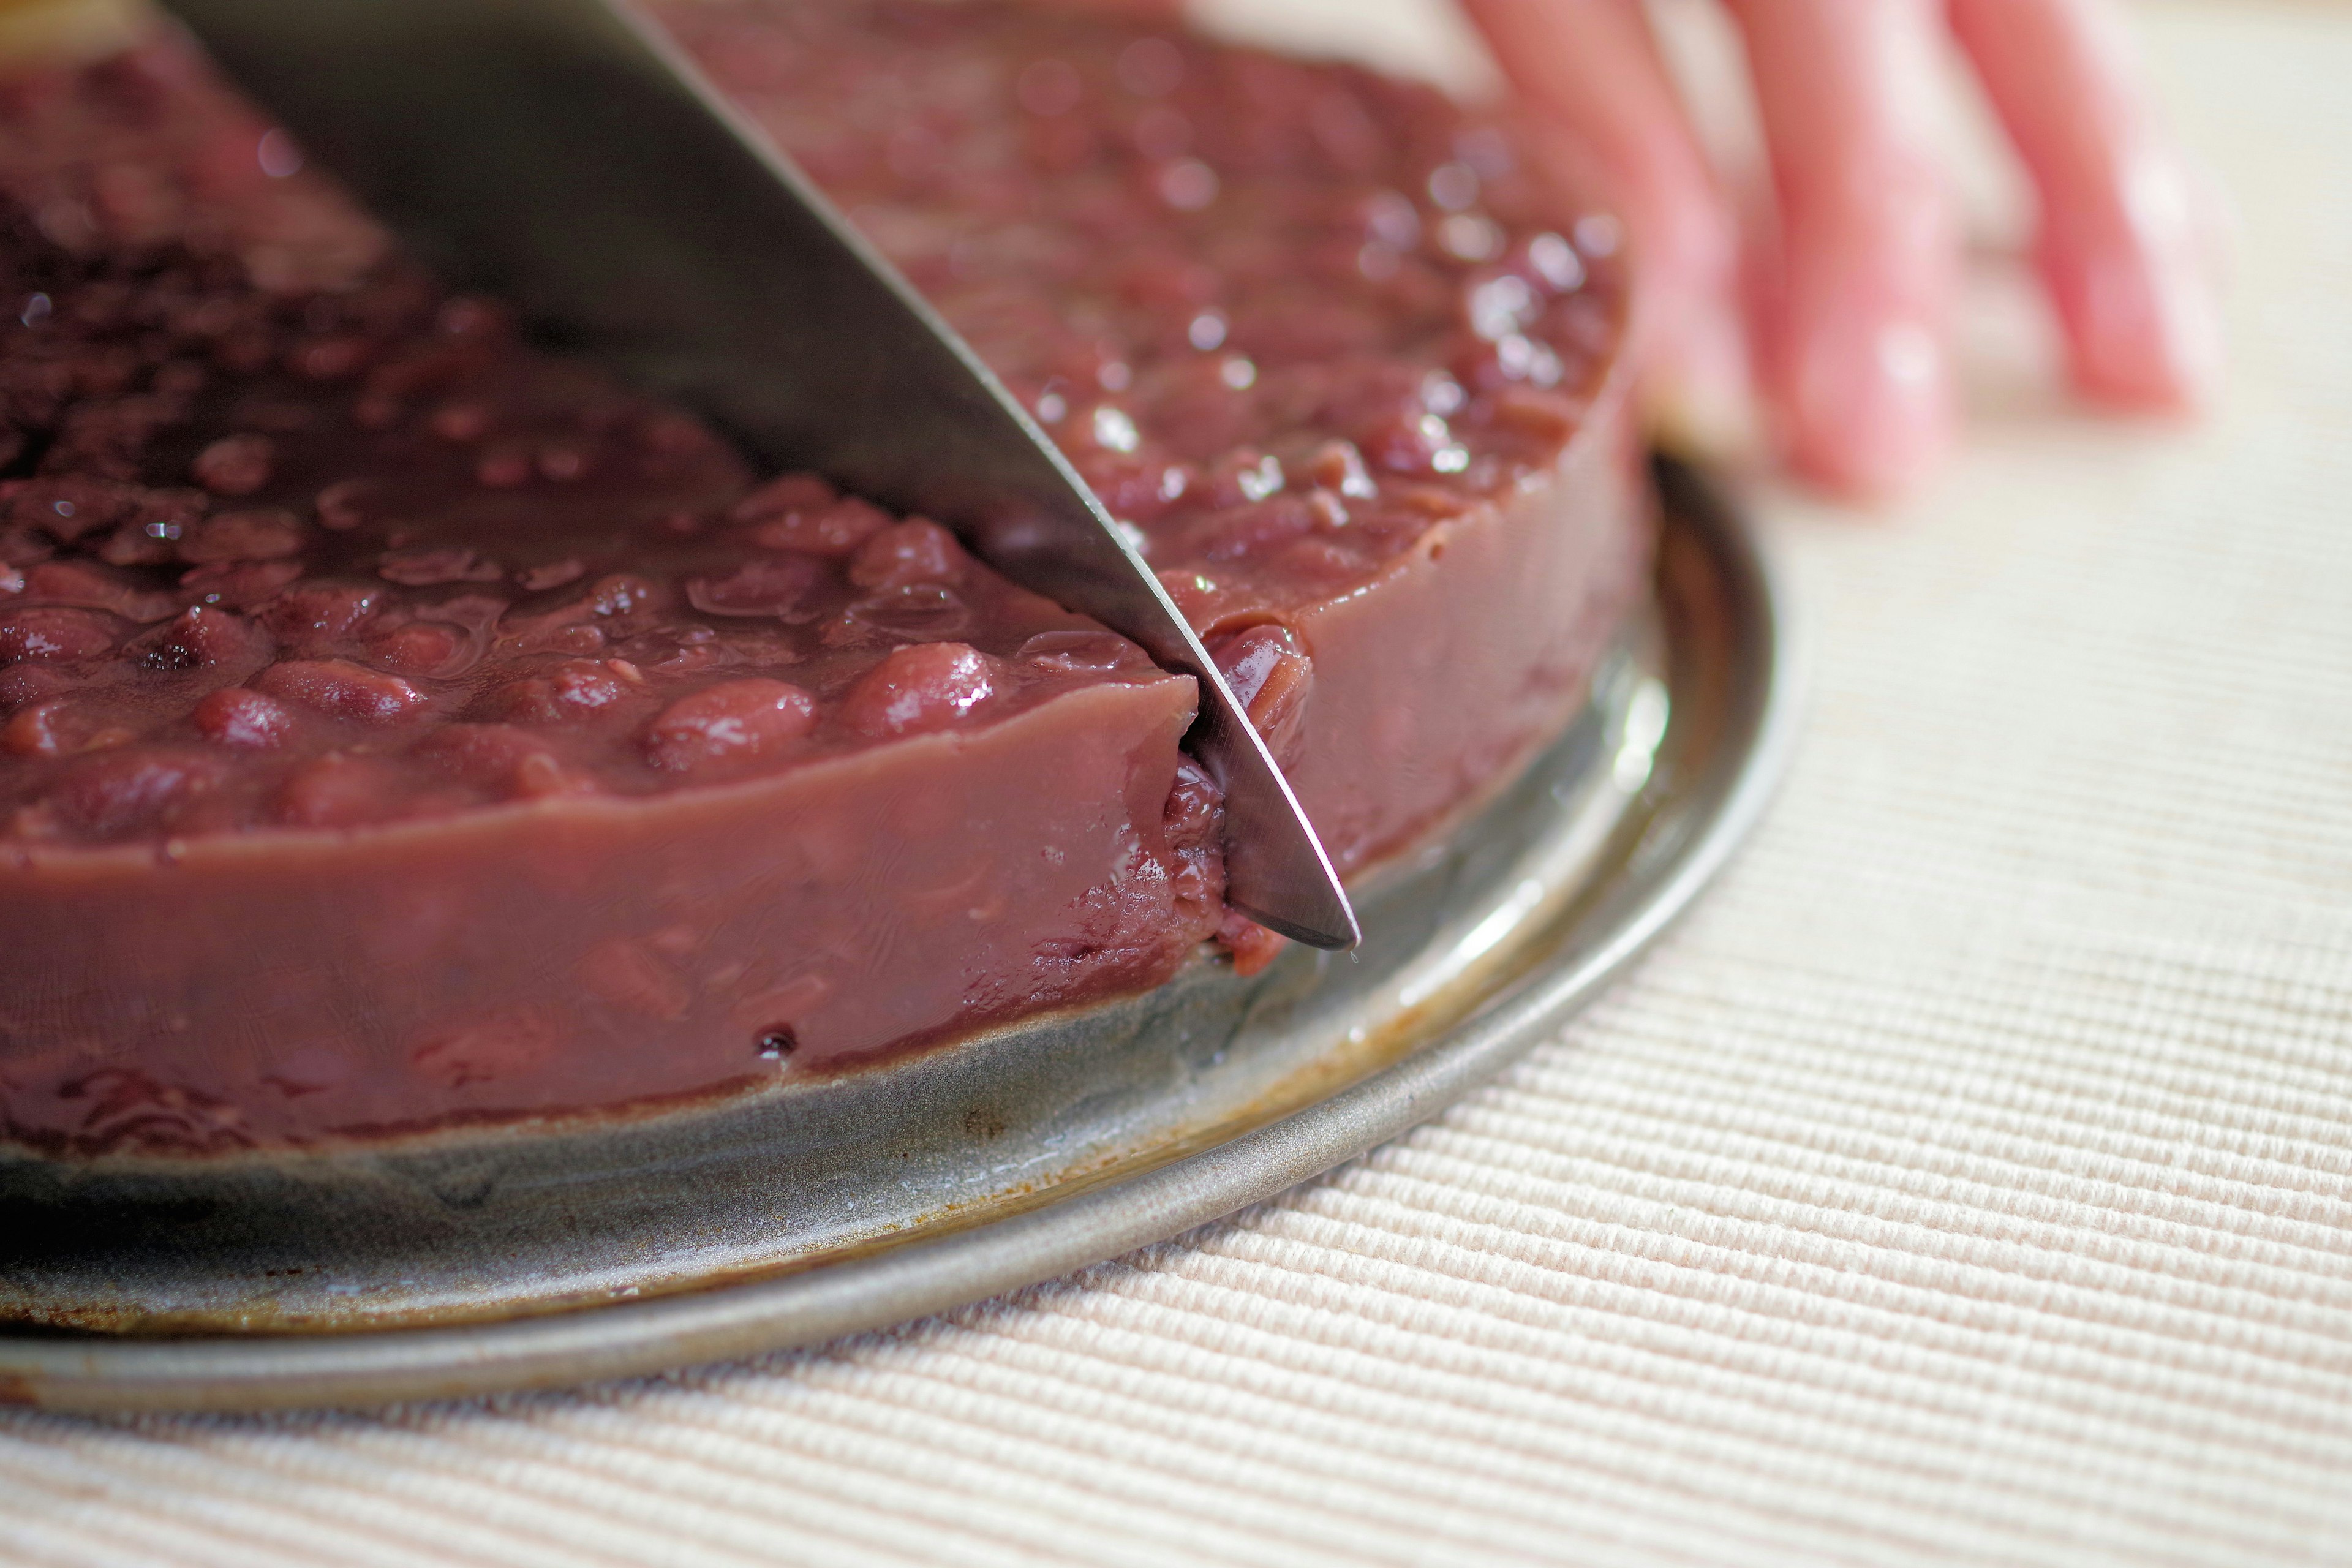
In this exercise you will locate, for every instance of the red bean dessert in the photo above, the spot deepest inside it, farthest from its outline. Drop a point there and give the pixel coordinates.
(402, 727)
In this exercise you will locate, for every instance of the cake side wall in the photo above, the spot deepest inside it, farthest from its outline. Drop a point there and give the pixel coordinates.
(1472, 651)
(551, 961)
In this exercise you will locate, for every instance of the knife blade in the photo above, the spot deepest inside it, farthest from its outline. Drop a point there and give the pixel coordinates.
(567, 155)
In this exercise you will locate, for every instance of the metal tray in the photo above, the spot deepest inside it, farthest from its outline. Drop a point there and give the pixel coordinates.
(559, 1255)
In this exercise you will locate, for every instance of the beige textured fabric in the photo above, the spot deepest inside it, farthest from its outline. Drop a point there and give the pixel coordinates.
(1969, 1182)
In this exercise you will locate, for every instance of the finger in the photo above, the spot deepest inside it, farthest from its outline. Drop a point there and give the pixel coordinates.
(1857, 342)
(2120, 244)
(1592, 70)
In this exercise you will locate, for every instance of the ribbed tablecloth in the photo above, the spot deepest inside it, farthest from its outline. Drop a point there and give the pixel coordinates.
(1968, 1181)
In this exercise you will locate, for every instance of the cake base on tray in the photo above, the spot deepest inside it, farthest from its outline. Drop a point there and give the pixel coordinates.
(823, 1207)
(401, 729)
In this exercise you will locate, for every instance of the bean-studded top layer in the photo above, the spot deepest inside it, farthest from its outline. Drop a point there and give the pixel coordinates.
(288, 536)
(1283, 316)
(320, 560)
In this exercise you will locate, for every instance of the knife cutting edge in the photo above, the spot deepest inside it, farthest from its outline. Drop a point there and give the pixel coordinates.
(565, 154)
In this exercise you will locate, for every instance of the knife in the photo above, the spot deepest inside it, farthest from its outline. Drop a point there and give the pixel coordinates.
(567, 155)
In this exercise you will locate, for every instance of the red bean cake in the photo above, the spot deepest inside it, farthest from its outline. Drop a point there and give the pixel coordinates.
(402, 727)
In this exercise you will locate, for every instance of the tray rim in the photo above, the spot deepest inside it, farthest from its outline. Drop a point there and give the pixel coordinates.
(874, 1290)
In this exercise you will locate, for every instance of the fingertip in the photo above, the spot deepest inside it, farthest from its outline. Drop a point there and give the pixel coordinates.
(1862, 386)
(1866, 404)
(2130, 234)
(2138, 345)
(2142, 319)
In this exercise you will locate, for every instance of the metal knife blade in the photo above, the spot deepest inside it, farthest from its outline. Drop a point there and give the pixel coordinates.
(567, 155)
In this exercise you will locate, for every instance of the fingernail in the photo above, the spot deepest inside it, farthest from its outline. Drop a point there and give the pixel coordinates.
(1870, 405)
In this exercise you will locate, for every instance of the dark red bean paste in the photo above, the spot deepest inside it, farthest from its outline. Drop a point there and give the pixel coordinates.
(1283, 319)
(330, 559)
(1305, 328)
(400, 726)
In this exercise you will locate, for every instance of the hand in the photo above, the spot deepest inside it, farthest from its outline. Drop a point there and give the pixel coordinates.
(1849, 349)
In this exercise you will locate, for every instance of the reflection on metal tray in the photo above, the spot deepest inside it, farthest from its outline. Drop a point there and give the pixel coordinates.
(467, 1262)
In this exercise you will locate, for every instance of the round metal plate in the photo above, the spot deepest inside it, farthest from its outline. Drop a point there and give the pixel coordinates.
(559, 1255)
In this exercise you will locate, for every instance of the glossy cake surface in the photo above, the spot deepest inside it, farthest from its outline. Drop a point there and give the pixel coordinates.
(1310, 330)
(399, 726)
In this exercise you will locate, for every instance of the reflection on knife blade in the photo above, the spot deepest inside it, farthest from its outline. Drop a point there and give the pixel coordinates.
(565, 153)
